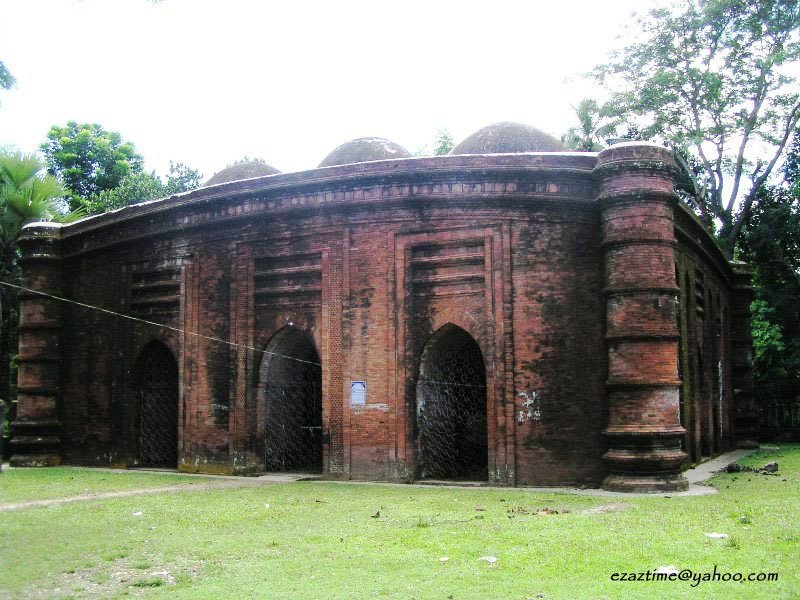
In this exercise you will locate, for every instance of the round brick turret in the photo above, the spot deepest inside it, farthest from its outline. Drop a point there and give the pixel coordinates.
(644, 432)
(36, 431)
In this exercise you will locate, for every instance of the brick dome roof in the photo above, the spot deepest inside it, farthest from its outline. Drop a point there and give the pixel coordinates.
(508, 138)
(364, 150)
(242, 170)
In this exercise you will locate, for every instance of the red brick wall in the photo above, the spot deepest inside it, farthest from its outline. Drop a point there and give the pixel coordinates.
(368, 261)
(708, 323)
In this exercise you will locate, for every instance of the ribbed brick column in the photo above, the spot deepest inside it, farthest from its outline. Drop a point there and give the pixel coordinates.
(746, 410)
(35, 432)
(644, 430)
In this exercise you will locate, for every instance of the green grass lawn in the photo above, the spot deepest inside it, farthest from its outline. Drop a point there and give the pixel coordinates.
(17, 485)
(329, 540)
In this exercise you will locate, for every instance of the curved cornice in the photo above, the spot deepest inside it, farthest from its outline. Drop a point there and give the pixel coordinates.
(697, 237)
(427, 169)
(564, 179)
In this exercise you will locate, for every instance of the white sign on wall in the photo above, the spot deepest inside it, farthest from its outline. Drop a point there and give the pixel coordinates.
(358, 393)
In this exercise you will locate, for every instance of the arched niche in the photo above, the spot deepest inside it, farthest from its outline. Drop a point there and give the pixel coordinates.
(157, 403)
(290, 403)
(451, 408)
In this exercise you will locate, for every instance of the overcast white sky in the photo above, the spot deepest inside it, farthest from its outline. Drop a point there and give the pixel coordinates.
(207, 82)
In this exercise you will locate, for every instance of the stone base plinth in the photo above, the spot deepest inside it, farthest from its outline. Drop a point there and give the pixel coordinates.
(645, 484)
(35, 460)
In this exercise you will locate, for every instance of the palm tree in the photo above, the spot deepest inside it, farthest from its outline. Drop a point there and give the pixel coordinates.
(595, 127)
(26, 196)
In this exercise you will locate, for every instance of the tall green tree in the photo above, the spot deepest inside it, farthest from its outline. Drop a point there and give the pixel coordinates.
(89, 160)
(26, 195)
(715, 78)
(770, 242)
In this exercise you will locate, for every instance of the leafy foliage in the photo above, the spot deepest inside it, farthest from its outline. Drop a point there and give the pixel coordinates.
(768, 345)
(595, 126)
(7, 80)
(134, 188)
(444, 143)
(770, 241)
(246, 159)
(143, 186)
(89, 160)
(716, 79)
(25, 196)
(181, 178)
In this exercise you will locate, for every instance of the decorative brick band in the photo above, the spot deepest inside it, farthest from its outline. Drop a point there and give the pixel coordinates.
(635, 195)
(638, 242)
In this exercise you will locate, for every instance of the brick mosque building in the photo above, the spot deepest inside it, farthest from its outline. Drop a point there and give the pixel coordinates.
(511, 313)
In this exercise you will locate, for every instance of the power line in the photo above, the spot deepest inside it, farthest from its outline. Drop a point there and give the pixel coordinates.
(139, 320)
(200, 335)
(450, 383)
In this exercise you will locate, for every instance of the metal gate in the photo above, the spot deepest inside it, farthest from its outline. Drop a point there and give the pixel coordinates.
(158, 415)
(451, 408)
(293, 407)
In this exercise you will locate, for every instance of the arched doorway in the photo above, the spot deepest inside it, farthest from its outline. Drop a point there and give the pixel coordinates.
(158, 407)
(290, 388)
(451, 408)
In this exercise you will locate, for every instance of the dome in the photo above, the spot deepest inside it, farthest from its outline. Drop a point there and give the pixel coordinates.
(242, 170)
(508, 138)
(364, 150)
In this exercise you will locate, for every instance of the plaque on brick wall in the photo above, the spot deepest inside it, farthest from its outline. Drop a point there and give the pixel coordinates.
(358, 393)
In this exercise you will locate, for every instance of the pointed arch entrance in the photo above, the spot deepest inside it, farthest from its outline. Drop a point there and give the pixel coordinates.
(158, 407)
(451, 415)
(290, 395)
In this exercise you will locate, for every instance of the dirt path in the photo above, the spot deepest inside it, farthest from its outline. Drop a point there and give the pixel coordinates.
(214, 484)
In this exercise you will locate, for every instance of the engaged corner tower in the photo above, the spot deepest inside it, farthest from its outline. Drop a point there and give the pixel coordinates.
(635, 187)
(37, 430)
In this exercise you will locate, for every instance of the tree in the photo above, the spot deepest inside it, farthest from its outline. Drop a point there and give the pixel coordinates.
(714, 78)
(770, 242)
(25, 196)
(134, 188)
(7, 80)
(88, 159)
(444, 143)
(181, 178)
(594, 129)
(441, 145)
(143, 186)
(768, 349)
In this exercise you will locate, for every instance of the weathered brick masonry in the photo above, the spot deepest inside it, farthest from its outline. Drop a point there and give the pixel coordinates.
(609, 332)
